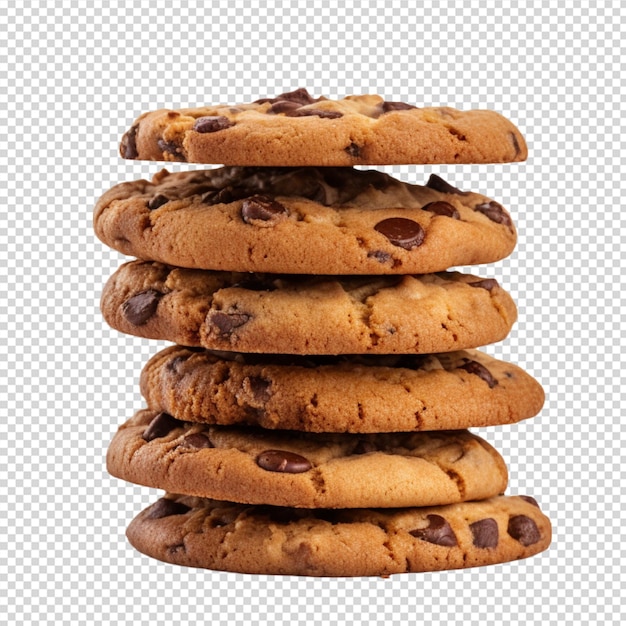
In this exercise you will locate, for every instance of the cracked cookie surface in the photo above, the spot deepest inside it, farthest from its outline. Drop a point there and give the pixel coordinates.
(351, 393)
(296, 129)
(307, 315)
(310, 470)
(223, 536)
(302, 220)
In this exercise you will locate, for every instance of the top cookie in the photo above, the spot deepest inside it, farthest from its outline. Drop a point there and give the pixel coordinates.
(296, 129)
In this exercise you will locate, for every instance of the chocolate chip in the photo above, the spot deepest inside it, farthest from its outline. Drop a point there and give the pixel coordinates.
(282, 106)
(397, 106)
(260, 388)
(197, 440)
(212, 123)
(401, 232)
(161, 425)
(485, 283)
(166, 507)
(171, 147)
(495, 212)
(262, 208)
(530, 500)
(317, 112)
(474, 367)
(141, 307)
(353, 150)
(438, 532)
(442, 208)
(283, 461)
(128, 145)
(301, 96)
(485, 533)
(439, 184)
(380, 255)
(524, 530)
(226, 323)
(157, 201)
(225, 195)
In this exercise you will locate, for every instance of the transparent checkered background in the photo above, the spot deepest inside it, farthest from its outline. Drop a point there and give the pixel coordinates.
(73, 76)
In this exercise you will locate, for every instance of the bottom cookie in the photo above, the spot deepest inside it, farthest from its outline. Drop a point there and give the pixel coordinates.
(216, 535)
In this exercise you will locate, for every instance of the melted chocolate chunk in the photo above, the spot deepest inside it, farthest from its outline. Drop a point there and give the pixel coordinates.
(166, 507)
(197, 440)
(282, 106)
(301, 96)
(212, 123)
(397, 106)
(495, 212)
(353, 150)
(260, 388)
(283, 461)
(380, 255)
(474, 367)
(439, 184)
(157, 201)
(485, 533)
(442, 208)
(262, 208)
(171, 147)
(128, 145)
(438, 532)
(401, 232)
(524, 530)
(530, 500)
(225, 195)
(317, 112)
(485, 283)
(141, 307)
(161, 425)
(226, 323)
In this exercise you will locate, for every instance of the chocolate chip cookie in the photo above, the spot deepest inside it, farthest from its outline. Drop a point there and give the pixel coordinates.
(361, 542)
(307, 314)
(295, 129)
(352, 393)
(310, 470)
(302, 221)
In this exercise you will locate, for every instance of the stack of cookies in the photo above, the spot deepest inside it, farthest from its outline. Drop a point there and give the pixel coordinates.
(311, 417)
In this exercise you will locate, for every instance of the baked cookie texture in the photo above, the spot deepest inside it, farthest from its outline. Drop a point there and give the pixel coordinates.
(295, 129)
(302, 221)
(312, 418)
(307, 314)
(351, 393)
(310, 470)
(223, 536)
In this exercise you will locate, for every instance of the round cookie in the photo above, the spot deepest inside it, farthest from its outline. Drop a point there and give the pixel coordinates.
(296, 129)
(305, 314)
(357, 394)
(272, 540)
(302, 221)
(310, 470)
